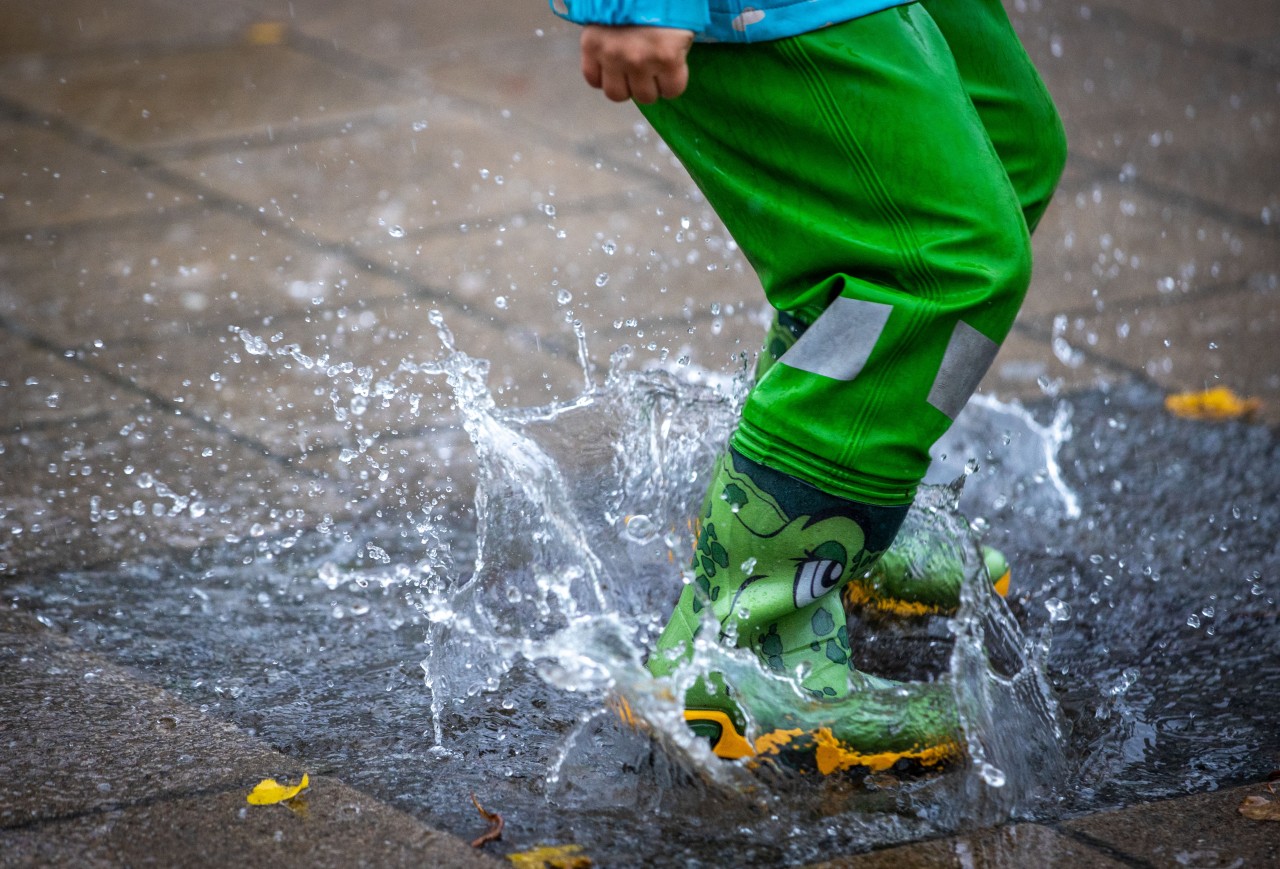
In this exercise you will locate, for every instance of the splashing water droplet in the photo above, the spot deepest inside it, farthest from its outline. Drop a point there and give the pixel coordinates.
(640, 529)
(330, 575)
(253, 344)
(1126, 681)
(564, 297)
(602, 279)
(396, 231)
(1059, 610)
(992, 775)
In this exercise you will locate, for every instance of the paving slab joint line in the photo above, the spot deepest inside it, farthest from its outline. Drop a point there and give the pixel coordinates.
(153, 398)
(1045, 335)
(1215, 48)
(1039, 333)
(158, 798)
(1176, 196)
(328, 52)
(1099, 845)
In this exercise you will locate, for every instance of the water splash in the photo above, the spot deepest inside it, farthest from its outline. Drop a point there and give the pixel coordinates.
(583, 513)
(323, 641)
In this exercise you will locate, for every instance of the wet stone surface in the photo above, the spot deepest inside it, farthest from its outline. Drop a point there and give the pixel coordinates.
(1017, 845)
(130, 742)
(106, 769)
(322, 658)
(1202, 830)
(1170, 616)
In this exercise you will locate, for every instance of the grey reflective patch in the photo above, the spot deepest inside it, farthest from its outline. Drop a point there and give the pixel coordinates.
(839, 342)
(969, 355)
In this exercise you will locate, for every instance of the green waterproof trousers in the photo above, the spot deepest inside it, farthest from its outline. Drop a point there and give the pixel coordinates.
(882, 177)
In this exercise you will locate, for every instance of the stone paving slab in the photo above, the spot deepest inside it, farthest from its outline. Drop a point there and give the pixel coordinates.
(393, 31)
(534, 80)
(1198, 21)
(1012, 847)
(1203, 830)
(79, 26)
(1199, 342)
(148, 101)
(82, 735)
(45, 190)
(424, 169)
(1106, 245)
(1172, 119)
(126, 482)
(100, 768)
(330, 825)
(181, 274)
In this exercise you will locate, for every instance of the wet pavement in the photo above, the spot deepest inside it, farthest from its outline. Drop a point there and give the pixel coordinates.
(185, 192)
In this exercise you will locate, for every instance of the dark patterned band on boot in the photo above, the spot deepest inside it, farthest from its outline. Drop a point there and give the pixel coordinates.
(879, 524)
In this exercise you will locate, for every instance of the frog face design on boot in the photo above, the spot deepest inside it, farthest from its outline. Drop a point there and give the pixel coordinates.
(769, 564)
(769, 578)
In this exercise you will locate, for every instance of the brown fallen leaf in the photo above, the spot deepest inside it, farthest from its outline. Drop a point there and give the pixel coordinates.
(1259, 808)
(495, 825)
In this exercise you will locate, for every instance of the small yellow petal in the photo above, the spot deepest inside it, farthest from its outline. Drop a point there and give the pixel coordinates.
(265, 33)
(269, 792)
(1217, 403)
(552, 857)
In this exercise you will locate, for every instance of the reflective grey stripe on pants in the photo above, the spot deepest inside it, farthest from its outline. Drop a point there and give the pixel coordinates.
(840, 341)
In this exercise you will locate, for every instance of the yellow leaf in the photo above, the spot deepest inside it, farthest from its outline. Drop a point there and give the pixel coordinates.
(265, 33)
(269, 792)
(1217, 403)
(552, 857)
(1258, 808)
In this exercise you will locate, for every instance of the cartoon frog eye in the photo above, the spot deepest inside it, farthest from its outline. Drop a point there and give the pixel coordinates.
(818, 573)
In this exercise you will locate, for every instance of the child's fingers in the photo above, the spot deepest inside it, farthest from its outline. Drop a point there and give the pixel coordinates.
(591, 71)
(613, 81)
(641, 63)
(672, 82)
(644, 87)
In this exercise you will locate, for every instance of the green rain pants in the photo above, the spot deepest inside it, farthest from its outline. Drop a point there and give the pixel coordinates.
(882, 177)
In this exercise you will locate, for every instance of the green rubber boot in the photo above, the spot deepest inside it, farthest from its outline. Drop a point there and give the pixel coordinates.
(918, 577)
(773, 555)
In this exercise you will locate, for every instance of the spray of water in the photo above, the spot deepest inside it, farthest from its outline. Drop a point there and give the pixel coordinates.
(583, 512)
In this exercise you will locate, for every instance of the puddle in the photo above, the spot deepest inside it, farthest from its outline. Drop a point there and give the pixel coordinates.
(424, 656)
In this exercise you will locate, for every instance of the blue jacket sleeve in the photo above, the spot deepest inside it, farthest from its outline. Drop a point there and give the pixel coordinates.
(692, 15)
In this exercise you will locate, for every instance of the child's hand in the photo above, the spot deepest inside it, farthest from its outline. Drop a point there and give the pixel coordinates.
(640, 63)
